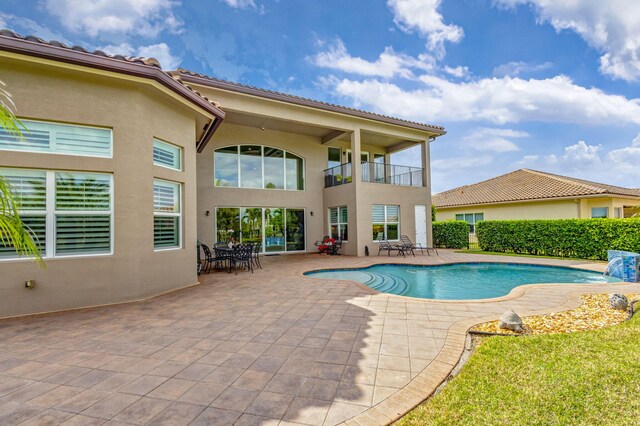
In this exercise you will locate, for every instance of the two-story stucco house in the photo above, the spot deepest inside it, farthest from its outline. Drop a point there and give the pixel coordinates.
(124, 167)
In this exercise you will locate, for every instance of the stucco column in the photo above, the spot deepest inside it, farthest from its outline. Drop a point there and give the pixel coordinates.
(387, 168)
(426, 182)
(356, 171)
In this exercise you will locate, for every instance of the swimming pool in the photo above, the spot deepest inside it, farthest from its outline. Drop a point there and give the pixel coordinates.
(460, 281)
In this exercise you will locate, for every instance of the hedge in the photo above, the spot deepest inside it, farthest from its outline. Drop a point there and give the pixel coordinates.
(451, 234)
(580, 238)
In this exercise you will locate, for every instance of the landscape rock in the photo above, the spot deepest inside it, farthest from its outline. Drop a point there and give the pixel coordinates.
(619, 301)
(511, 321)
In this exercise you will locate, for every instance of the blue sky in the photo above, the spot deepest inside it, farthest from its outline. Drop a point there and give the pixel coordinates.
(549, 85)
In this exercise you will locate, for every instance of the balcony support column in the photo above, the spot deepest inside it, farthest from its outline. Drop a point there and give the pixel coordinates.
(356, 169)
(426, 183)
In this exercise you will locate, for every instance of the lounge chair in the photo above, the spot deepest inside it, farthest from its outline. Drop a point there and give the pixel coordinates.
(410, 246)
(386, 246)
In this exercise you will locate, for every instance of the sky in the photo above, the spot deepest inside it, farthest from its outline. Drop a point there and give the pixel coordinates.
(542, 84)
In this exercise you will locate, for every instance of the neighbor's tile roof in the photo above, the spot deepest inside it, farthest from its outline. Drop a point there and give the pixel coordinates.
(206, 80)
(526, 185)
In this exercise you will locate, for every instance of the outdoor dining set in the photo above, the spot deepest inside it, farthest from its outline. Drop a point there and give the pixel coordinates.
(228, 257)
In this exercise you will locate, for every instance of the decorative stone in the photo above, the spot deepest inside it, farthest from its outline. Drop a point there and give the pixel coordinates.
(511, 321)
(618, 301)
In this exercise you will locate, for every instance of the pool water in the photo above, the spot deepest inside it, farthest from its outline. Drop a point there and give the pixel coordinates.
(462, 281)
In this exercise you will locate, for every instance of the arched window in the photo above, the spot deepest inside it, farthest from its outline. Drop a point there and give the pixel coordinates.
(257, 166)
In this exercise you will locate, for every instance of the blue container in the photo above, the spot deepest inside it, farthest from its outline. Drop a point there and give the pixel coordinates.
(624, 265)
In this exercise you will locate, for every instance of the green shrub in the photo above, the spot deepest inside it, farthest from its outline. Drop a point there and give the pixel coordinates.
(580, 238)
(451, 234)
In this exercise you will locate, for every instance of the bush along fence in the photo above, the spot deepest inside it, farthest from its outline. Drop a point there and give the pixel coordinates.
(451, 234)
(580, 238)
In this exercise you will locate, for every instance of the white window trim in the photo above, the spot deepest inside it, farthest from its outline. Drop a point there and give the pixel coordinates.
(180, 150)
(262, 147)
(338, 223)
(50, 214)
(386, 222)
(26, 120)
(168, 214)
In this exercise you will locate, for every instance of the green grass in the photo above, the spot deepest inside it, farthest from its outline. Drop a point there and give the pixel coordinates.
(495, 253)
(590, 378)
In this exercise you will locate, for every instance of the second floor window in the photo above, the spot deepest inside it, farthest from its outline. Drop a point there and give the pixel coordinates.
(257, 166)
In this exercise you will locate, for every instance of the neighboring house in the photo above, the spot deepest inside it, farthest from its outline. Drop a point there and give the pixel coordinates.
(530, 194)
(125, 166)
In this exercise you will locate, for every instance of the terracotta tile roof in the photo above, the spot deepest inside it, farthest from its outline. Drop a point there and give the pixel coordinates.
(80, 55)
(206, 80)
(526, 185)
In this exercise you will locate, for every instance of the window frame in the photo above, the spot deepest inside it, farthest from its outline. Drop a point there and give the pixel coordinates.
(170, 145)
(386, 222)
(51, 213)
(339, 222)
(472, 225)
(606, 212)
(262, 157)
(26, 122)
(178, 214)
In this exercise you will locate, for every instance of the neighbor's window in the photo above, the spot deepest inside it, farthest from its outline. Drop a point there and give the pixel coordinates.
(167, 215)
(386, 222)
(59, 138)
(472, 219)
(167, 155)
(617, 212)
(338, 227)
(599, 212)
(256, 166)
(68, 213)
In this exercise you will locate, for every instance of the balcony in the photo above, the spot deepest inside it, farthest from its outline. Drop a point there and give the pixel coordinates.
(372, 172)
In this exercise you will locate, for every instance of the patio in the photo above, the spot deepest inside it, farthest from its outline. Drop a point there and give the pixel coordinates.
(272, 347)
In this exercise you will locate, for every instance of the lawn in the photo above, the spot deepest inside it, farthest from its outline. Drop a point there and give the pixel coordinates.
(563, 379)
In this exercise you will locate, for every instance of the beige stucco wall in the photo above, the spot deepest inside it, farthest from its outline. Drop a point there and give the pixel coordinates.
(210, 197)
(136, 114)
(560, 209)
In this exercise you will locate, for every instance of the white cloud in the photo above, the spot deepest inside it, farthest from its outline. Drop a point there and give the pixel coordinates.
(618, 166)
(490, 139)
(146, 18)
(423, 16)
(388, 65)
(160, 51)
(459, 71)
(611, 27)
(517, 68)
(245, 4)
(497, 100)
(28, 26)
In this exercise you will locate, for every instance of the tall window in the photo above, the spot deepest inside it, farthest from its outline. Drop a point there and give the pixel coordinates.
(472, 219)
(334, 157)
(68, 213)
(256, 166)
(59, 139)
(386, 222)
(167, 215)
(167, 155)
(338, 227)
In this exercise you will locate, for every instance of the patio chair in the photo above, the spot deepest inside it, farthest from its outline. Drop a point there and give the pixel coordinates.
(210, 260)
(255, 256)
(406, 241)
(335, 248)
(386, 246)
(242, 256)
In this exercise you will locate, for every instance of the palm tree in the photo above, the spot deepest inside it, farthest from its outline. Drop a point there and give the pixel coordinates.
(13, 233)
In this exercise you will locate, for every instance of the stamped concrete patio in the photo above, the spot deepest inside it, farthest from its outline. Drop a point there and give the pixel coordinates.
(273, 347)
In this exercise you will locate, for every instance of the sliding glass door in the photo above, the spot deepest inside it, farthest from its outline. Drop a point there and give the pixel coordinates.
(275, 229)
